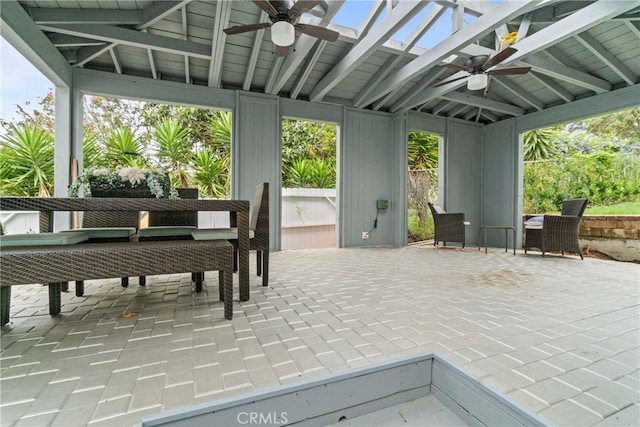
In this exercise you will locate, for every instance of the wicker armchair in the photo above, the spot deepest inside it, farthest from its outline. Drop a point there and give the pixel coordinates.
(449, 226)
(557, 232)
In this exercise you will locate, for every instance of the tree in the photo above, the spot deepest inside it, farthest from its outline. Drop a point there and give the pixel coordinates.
(308, 154)
(174, 151)
(619, 126)
(26, 161)
(422, 150)
(103, 115)
(422, 153)
(43, 118)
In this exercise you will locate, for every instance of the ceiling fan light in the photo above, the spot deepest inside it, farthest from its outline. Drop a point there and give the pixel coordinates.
(477, 81)
(283, 33)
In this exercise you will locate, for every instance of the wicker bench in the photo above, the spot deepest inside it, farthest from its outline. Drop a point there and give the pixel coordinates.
(57, 265)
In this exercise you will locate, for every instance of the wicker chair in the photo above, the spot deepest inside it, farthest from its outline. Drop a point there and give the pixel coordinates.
(557, 232)
(449, 227)
(258, 229)
(165, 225)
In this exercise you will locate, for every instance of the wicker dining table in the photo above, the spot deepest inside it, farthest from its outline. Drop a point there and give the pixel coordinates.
(48, 205)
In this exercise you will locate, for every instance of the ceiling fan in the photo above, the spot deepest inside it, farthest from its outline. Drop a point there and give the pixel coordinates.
(479, 68)
(283, 24)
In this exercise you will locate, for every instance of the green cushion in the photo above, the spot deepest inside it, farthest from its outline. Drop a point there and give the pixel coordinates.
(217, 234)
(41, 239)
(166, 231)
(105, 232)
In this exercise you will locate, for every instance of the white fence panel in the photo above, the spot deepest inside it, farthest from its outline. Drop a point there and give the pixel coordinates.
(308, 218)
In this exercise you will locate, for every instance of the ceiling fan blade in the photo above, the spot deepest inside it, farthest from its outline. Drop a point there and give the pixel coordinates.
(282, 6)
(282, 50)
(267, 7)
(318, 32)
(302, 6)
(508, 71)
(246, 28)
(499, 57)
(449, 81)
(457, 67)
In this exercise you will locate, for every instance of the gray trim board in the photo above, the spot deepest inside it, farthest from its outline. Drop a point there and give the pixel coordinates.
(148, 89)
(627, 97)
(327, 400)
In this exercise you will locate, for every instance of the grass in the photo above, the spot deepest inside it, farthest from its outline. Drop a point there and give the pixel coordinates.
(626, 208)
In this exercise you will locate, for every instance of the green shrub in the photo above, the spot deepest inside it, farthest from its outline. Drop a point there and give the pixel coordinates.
(603, 177)
(419, 230)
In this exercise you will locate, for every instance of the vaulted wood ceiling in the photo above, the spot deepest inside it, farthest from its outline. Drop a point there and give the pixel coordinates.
(576, 49)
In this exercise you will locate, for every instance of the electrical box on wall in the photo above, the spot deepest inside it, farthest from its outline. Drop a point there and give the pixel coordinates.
(382, 204)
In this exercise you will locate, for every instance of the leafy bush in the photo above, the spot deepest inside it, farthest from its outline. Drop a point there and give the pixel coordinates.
(316, 173)
(26, 161)
(308, 154)
(419, 230)
(602, 177)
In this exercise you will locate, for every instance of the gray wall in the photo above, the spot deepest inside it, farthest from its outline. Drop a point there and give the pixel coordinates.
(480, 164)
(501, 202)
(256, 153)
(460, 166)
(366, 173)
(463, 173)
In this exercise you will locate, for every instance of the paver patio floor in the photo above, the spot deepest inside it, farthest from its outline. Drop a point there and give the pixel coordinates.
(558, 335)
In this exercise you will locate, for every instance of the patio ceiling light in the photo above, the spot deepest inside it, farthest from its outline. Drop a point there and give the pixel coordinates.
(477, 81)
(283, 33)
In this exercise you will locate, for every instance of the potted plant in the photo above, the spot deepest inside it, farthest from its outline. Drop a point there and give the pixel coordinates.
(123, 182)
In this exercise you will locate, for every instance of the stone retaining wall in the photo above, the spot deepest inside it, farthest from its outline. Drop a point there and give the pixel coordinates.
(615, 235)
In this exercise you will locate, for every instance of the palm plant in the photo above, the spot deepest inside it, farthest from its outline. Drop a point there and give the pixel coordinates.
(538, 144)
(220, 128)
(422, 150)
(26, 161)
(299, 174)
(124, 148)
(323, 174)
(174, 151)
(211, 173)
(92, 153)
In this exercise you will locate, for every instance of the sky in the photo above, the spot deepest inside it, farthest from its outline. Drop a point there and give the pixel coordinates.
(22, 83)
(19, 82)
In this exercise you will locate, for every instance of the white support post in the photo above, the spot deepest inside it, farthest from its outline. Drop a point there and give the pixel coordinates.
(68, 144)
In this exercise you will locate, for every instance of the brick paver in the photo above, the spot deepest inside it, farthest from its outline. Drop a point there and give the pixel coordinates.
(558, 335)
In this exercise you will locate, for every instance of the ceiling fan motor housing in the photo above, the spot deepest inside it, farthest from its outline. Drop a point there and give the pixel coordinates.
(476, 62)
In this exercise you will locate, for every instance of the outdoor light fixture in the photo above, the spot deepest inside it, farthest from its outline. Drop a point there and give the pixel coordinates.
(283, 33)
(477, 81)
